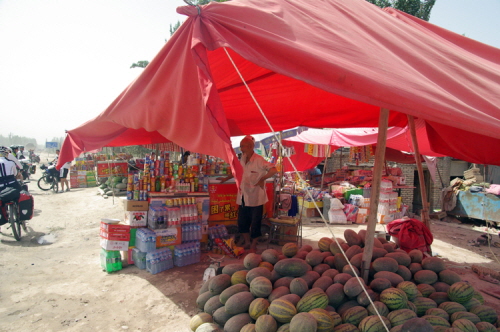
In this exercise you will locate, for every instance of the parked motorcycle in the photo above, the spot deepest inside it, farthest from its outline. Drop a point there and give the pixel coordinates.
(49, 179)
(34, 157)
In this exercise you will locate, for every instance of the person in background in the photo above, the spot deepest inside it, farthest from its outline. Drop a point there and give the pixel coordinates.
(20, 153)
(185, 156)
(63, 176)
(251, 194)
(56, 158)
(13, 158)
(8, 171)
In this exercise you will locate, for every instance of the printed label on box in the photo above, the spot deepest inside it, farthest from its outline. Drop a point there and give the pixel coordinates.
(114, 245)
(116, 236)
(115, 228)
(168, 236)
(136, 218)
(130, 205)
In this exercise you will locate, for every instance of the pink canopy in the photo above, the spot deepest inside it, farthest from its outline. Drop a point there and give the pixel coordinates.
(320, 64)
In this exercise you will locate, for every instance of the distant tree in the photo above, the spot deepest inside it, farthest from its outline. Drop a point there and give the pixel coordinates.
(140, 64)
(418, 8)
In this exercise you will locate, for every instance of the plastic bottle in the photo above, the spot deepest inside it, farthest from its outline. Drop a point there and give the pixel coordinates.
(205, 183)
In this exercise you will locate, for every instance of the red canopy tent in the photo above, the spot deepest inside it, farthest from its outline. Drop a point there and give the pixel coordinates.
(317, 64)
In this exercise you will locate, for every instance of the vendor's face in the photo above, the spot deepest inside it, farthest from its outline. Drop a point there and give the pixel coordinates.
(246, 146)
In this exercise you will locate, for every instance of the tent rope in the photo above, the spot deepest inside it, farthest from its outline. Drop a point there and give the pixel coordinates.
(360, 280)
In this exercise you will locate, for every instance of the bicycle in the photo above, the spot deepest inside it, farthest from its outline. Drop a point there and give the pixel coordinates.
(10, 211)
(49, 179)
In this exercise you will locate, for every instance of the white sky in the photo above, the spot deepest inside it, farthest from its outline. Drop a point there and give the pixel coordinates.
(62, 62)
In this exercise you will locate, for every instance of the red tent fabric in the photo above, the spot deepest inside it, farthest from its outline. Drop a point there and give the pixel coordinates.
(321, 64)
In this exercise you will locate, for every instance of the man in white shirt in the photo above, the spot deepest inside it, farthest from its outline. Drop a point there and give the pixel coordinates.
(8, 171)
(63, 176)
(252, 193)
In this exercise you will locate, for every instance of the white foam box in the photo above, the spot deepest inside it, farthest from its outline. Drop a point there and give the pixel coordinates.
(114, 245)
(136, 218)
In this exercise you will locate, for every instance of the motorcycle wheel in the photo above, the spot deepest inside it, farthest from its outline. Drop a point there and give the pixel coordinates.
(44, 184)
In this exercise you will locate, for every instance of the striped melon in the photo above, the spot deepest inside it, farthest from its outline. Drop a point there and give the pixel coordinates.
(266, 323)
(394, 298)
(290, 249)
(336, 318)
(270, 256)
(282, 310)
(267, 265)
(354, 315)
(347, 327)
(398, 328)
(199, 319)
(374, 324)
(425, 289)
(278, 293)
(258, 307)
(423, 304)
(298, 286)
(335, 295)
(230, 291)
(261, 287)
(284, 281)
(292, 267)
(400, 316)
(209, 327)
(464, 325)
(284, 328)
(236, 323)
(239, 277)
(323, 319)
(303, 322)
(239, 303)
(438, 312)
(315, 298)
(436, 320)
(381, 308)
(258, 272)
(231, 268)
(486, 327)
(460, 292)
(466, 315)
(451, 307)
(409, 288)
(324, 243)
(471, 303)
(425, 277)
(248, 328)
(478, 296)
(347, 305)
(252, 260)
(485, 313)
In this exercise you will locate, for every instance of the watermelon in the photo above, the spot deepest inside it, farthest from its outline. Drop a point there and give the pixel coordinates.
(284, 328)
(335, 248)
(471, 303)
(323, 319)
(232, 268)
(460, 292)
(239, 277)
(290, 249)
(303, 322)
(324, 243)
(267, 265)
(485, 313)
(440, 286)
(236, 323)
(330, 261)
(337, 320)
(346, 306)
(425, 277)
(282, 311)
(478, 296)
(379, 306)
(409, 288)
(258, 272)
(306, 247)
(351, 270)
(465, 315)
(315, 298)
(486, 327)
(199, 319)
(436, 320)
(423, 304)
(266, 323)
(451, 307)
(354, 315)
(385, 264)
(323, 283)
(438, 312)
(400, 316)
(239, 303)
(301, 255)
(394, 298)
(292, 267)
(261, 287)
(218, 283)
(425, 289)
(464, 325)
(345, 328)
(374, 324)
(449, 277)
(357, 260)
(314, 258)
(258, 307)
(379, 252)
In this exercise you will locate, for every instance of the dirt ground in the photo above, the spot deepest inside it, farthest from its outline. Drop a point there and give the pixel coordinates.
(52, 279)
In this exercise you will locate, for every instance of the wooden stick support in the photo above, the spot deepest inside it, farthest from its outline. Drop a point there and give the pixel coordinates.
(418, 160)
(375, 192)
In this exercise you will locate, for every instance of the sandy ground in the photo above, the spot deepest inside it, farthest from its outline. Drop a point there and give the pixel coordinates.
(59, 285)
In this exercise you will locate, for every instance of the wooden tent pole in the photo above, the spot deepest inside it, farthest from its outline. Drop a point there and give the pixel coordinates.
(375, 192)
(324, 167)
(418, 160)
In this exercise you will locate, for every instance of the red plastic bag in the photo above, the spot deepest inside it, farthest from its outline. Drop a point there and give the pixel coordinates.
(411, 234)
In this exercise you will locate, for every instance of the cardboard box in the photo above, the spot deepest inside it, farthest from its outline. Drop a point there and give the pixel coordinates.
(310, 213)
(114, 245)
(130, 205)
(308, 205)
(115, 236)
(136, 218)
(115, 228)
(168, 236)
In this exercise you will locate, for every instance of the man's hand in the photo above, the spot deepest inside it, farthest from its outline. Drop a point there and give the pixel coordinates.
(261, 183)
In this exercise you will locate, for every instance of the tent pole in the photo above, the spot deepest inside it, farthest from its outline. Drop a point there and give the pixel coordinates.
(375, 192)
(324, 167)
(418, 159)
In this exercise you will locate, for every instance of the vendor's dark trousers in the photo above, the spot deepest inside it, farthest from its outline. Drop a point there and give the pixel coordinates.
(250, 219)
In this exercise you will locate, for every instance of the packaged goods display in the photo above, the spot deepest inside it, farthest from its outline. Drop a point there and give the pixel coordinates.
(111, 260)
(159, 260)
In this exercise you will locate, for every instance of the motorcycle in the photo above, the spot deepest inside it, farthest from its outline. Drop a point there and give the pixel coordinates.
(34, 158)
(49, 179)
(28, 168)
